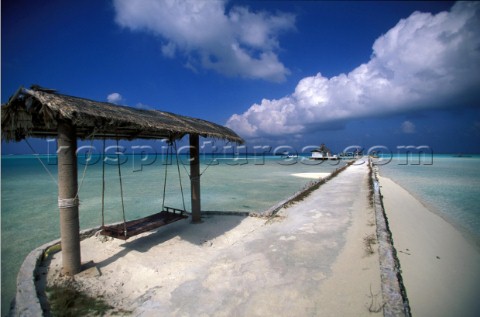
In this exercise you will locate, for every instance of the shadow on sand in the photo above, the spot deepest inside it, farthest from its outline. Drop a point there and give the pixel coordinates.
(211, 227)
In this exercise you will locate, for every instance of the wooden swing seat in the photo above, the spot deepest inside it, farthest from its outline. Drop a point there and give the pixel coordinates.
(134, 227)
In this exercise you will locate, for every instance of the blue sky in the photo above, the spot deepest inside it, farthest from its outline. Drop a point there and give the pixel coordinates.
(294, 73)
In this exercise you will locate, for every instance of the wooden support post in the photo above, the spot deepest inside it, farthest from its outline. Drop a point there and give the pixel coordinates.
(195, 178)
(67, 198)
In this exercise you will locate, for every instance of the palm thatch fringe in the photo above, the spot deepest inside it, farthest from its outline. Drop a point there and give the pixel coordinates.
(36, 112)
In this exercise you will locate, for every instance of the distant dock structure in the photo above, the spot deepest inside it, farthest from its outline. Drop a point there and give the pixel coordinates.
(323, 153)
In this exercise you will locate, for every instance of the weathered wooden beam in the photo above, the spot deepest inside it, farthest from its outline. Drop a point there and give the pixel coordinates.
(195, 178)
(68, 199)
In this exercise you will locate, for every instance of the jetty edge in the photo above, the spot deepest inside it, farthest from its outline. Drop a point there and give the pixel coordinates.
(30, 293)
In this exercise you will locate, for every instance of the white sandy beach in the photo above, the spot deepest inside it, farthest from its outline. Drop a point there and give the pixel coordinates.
(440, 268)
(309, 261)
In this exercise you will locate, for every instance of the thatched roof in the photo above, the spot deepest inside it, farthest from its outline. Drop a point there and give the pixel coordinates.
(35, 112)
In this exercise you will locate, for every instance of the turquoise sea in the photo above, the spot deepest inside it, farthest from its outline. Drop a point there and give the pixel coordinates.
(30, 215)
(449, 186)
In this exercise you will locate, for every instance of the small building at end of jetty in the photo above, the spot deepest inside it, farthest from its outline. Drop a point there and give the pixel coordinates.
(323, 153)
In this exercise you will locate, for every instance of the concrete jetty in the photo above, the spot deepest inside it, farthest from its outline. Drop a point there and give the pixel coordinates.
(309, 260)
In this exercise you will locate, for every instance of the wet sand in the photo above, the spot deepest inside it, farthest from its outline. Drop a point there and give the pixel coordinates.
(440, 267)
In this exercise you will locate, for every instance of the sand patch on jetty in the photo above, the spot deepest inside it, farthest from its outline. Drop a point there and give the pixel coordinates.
(311, 175)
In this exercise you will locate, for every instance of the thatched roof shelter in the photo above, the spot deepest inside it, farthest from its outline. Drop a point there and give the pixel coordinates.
(35, 112)
(40, 112)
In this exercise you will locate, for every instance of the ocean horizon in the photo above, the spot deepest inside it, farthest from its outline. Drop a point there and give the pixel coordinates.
(448, 185)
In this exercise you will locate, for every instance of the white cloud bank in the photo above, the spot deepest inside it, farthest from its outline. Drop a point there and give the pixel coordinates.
(115, 98)
(425, 61)
(235, 43)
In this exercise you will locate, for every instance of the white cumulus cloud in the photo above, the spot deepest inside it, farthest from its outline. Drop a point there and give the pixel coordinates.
(235, 43)
(408, 127)
(115, 98)
(425, 61)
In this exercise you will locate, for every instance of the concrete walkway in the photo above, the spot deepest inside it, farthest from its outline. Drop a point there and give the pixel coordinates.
(309, 261)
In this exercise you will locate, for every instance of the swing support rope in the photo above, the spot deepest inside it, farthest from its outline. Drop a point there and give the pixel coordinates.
(65, 203)
(172, 146)
(165, 178)
(131, 228)
(179, 176)
(121, 190)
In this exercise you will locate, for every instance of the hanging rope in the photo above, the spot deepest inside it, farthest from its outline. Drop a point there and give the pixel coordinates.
(41, 162)
(165, 178)
(204, 170)
(86, 165)
(179, 176)
(121, 190)
(132, 228)
(66, 202)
